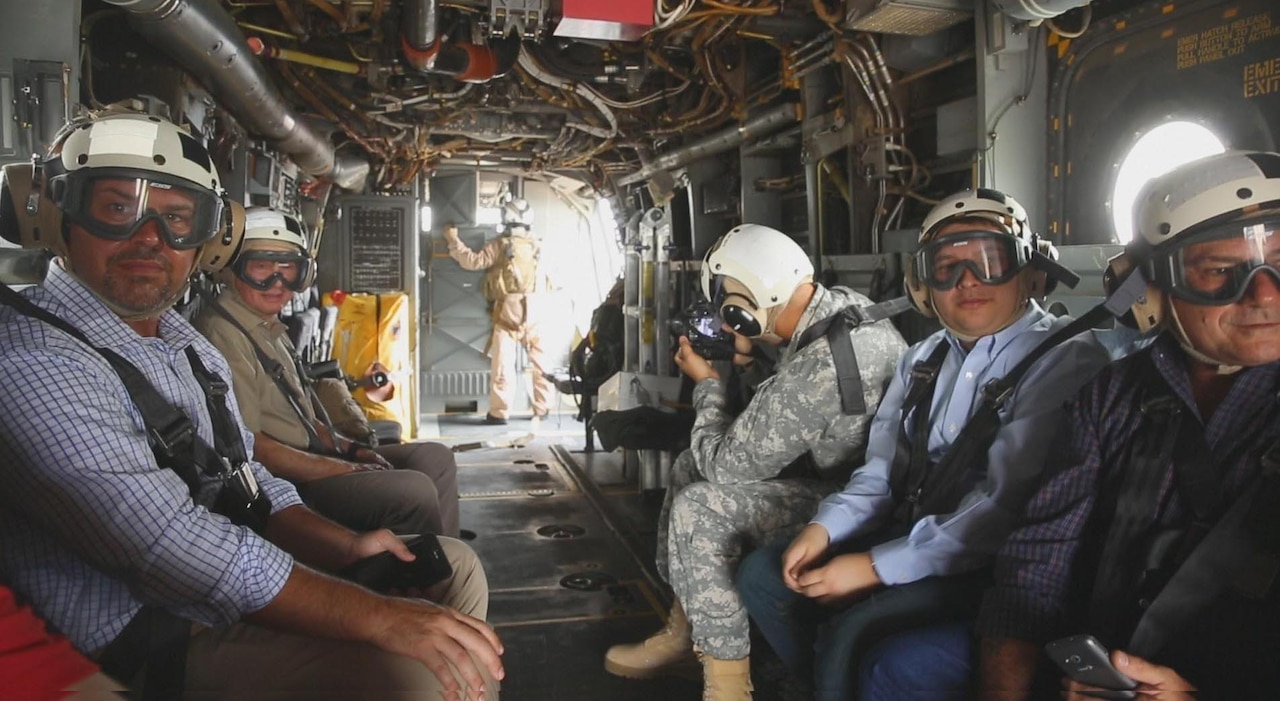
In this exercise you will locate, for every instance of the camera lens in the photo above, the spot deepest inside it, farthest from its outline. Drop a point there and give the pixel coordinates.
(1074, 659)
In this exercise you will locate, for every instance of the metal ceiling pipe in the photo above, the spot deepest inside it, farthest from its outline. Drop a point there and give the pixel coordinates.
(204, 40)
(472, 63)
(420, 22)
(1037, 10)
(766, 123)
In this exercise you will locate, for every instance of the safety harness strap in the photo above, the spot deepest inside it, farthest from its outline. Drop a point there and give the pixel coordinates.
(938, 489)
(1165, 574)
(156, 638)
(1130, 509)
(276, 372)
(1235, 554)
(836, 328)
(906, 477)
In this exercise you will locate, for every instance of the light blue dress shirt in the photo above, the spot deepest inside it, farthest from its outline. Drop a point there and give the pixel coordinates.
(91, 528)
(968, 538)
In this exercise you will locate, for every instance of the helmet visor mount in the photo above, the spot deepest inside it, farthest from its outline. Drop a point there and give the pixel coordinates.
(261, 270)
(737, 309)
(993, 258)
(1217, 266)
(115, 205)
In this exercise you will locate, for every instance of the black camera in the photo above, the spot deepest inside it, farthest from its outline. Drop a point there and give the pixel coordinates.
(701, 324)
(329, 369)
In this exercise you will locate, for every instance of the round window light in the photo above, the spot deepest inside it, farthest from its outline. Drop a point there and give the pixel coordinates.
(1157, 152)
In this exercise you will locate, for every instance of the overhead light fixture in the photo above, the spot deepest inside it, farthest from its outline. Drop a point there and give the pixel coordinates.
(909, 17)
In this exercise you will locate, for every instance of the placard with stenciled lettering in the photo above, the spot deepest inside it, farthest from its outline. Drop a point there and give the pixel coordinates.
(376, 246)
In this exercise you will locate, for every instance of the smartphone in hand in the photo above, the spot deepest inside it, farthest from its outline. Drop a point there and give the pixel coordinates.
(384, 571)
(1084, 659)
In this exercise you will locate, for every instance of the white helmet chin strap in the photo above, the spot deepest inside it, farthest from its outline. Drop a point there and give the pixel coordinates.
(131, 314)
(1180, 334)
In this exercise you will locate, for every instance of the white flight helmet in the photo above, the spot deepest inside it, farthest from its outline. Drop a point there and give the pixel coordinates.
(118, 144)
(517, 212)
(1223, 196)
(1028, 254)
(273, 236)
(749, 275)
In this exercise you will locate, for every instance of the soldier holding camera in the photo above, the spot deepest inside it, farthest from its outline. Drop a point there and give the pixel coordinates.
(763, 472)
(411, 488)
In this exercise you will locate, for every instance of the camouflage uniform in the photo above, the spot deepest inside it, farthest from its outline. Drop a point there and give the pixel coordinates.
(723, 501)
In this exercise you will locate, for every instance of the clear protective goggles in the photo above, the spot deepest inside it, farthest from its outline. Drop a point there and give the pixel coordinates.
(1216, 266)
(114, 204)
(261, 270)
(993, 258)
(737, 309)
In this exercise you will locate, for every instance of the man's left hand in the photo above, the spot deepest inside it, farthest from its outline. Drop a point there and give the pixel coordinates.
(1155, 683)
(690, 363)
(373, 542)
(844, 577)
(370, 458)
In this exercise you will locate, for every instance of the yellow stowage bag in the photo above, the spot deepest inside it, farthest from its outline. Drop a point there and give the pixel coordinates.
(376, 328)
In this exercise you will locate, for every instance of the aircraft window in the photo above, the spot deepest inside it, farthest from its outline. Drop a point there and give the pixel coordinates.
(425, 218)
(1157, 152)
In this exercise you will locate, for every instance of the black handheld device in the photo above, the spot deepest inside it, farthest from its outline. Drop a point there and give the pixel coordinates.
(700, 323)
(384, 571)
(1084, 659)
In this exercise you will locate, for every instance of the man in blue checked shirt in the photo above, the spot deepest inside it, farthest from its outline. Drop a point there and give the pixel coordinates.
(897, 549)
(92, 529)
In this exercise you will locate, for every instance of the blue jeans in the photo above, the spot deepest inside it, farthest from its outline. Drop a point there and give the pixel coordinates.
(825, 644)
(925, 664)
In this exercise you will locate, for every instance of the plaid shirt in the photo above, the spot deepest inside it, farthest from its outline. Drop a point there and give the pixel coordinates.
(1034, 568)
(91, 528)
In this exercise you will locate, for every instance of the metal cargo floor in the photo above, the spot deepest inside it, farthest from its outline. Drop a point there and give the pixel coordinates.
(567, 543)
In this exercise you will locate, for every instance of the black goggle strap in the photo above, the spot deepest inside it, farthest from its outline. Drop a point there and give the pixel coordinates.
(1055, 270)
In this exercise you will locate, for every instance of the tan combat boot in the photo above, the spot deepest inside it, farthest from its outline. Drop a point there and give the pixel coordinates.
(667, 652)
(725, 680)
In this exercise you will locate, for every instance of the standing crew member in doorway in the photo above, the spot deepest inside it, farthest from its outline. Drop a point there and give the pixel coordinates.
(514, 285)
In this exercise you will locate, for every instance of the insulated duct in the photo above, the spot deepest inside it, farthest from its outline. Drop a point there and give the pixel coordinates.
(766, 123)
(205, 41)
(467, 62)
(1036, 11)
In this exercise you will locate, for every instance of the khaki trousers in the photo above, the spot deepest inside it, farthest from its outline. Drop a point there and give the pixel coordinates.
(246, 662)
(503, 349)
(419, 496)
